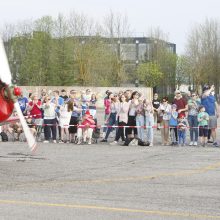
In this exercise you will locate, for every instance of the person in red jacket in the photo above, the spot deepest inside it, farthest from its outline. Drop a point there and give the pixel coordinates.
(34, 108)
(86, 128)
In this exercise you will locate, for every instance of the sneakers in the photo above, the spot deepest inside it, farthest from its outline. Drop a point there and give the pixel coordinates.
(103, 140)
(195, 143)
(46, 141)
(61, 142)
(151, 145)
(215, 144)
(103, 135)
(114, 143)
(90, 142)
(191, 143)
(79, 141)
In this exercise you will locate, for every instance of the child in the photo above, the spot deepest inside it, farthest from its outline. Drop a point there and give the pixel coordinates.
(181, 129)
(203, 119)
(86, 129)
(173, 125)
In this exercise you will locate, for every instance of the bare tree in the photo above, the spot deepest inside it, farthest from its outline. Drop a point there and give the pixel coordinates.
(202, 50)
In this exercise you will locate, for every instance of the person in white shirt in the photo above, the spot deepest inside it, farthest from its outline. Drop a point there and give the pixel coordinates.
(165, 114)
(133, 103)
(149, 120)
(65, 115)
(49, 120)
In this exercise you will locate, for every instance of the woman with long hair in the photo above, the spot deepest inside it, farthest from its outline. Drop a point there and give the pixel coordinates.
(64, 120)
(165, 115)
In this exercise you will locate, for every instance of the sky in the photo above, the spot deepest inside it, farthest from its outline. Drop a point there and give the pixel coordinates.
(175, 18)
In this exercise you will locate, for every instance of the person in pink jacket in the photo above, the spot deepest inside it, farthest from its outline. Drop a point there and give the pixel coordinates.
(107, 105)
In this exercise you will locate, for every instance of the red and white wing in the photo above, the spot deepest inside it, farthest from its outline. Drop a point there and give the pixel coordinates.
(5, 77)
(5, 74)
(29, 136)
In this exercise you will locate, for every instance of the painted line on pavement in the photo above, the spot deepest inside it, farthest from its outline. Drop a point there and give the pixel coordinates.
(112, 209)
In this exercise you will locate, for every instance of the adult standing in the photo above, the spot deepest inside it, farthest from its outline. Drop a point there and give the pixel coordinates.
(75, 116)
(92, 105)
(149, 120)
(111, 120)
(133, 103)
(165, 115)
(208, 100)
(65, 115)
(49, 120)
(122, 119)
(181, 103)
(140, 119)
(58, 101)
(156, 105)
(107, 104)
(193, 109)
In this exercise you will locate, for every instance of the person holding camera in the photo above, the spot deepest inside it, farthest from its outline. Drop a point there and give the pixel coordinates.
(165, 115)
(49, 120)
(209, 102)
(193, 110)
(111, 120)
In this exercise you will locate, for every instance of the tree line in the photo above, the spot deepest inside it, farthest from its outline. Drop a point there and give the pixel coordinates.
(71, 50)
(200, 63)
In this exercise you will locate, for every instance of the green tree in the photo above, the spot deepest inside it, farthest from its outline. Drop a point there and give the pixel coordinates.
(150, 74)
(182, 71)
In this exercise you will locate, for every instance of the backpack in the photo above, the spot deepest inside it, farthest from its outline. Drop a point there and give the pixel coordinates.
(4, 136)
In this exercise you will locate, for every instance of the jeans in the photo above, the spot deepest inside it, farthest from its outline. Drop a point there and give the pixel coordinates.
(193, 124)
(140, 122)
(149, 121)
(181, 136)
(173, 134)
(105, 117)
(50, 126)
(112, 121)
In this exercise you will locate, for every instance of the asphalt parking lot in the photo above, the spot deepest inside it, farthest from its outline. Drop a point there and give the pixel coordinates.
(81, 182)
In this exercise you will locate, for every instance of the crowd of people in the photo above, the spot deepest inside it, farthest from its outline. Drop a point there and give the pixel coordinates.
(128, 115)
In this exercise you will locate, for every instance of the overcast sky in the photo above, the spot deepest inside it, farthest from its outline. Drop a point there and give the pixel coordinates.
(174, 17)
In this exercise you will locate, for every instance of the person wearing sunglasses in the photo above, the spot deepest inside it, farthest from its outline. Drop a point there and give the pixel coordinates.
(49, 120)
(193, 110)
(181, 103)
(165, 115)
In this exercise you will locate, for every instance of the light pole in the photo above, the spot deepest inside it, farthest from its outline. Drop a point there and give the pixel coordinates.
(119, 50)
(137, 52)
(155, 51)
(137, 61)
